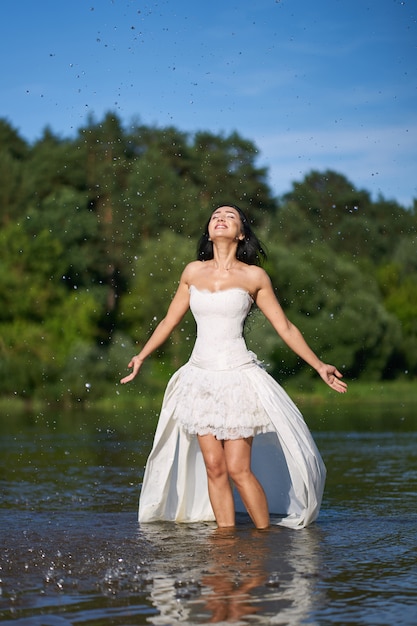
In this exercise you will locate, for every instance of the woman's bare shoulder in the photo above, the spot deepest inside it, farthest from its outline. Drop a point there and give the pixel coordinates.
(258, 277)
(190, 270)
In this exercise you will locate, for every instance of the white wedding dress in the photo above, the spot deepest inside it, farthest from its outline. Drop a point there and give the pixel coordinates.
(224, 390)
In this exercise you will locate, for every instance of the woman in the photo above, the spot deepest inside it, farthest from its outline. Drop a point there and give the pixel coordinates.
(224, 420)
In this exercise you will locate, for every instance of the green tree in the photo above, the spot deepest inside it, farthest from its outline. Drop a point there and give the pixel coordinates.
(326, 197)
(13, 185)
(105, 150)
(95, 231)
(226, 171)
(398, 284)
(346, 218)
(54, 164)
(338, 309)
(39, 320)
(155, 277)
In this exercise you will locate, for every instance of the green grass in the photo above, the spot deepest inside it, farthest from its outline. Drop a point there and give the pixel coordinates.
(358, 391)
(123, 404)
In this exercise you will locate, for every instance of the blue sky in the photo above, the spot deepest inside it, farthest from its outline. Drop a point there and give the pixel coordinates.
(330, 84)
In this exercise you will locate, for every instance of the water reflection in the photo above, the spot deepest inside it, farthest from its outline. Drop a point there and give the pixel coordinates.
(229, 575)
(233, 574)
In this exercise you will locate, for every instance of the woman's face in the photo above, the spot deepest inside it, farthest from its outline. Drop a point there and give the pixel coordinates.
(225, 222)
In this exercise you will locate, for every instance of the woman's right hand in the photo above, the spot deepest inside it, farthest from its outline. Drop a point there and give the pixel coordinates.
(136, 363)
(331, 377)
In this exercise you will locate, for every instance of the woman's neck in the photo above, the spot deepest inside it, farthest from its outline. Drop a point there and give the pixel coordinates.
(224, 256)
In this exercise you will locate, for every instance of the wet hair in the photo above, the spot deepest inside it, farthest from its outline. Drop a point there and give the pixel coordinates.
(249, 250)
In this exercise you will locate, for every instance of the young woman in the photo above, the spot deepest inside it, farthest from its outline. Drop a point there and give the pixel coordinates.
(225, 423)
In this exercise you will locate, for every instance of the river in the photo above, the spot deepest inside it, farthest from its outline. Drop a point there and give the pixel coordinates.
(72, 551)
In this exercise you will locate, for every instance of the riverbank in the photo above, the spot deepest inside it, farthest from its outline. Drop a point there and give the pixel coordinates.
(317, 399)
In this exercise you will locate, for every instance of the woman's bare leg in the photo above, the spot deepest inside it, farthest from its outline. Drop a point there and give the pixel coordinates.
(232, 459)
(238, 461)
(220, 490)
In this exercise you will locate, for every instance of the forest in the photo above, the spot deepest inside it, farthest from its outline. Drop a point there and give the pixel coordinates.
(96, 229)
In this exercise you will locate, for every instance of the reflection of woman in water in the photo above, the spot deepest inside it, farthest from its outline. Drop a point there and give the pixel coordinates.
(231, 575)
(222, 401)
(228, 586)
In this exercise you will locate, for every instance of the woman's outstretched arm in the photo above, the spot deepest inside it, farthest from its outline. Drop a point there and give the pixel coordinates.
(270, 307)
(176, 311)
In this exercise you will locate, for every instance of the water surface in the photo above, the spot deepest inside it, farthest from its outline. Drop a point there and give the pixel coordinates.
(72, 551)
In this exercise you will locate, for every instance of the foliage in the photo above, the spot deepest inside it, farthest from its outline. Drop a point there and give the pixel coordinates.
(96, 229)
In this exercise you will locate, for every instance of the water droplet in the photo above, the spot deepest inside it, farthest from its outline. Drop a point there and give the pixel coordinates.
(273, 580)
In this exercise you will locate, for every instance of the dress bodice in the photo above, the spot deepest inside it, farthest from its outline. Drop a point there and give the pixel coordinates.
(220, 318)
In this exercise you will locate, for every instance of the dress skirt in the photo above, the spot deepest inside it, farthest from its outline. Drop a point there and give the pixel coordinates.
(285, 459)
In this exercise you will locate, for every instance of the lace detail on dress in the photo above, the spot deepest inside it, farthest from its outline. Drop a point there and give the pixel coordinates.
(221, 403)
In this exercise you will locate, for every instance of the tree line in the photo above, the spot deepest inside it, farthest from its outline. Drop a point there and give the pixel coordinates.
(95, 230)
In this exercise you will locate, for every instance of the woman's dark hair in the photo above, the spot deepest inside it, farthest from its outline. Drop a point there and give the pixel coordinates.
(249, 250)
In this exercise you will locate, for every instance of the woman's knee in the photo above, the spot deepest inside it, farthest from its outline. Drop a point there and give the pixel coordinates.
(238, 459)
(214, 457)
(239, 472)
(215, 466)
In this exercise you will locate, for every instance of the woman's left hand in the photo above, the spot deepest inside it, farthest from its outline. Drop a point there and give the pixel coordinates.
(331, 377)
(136, 363)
